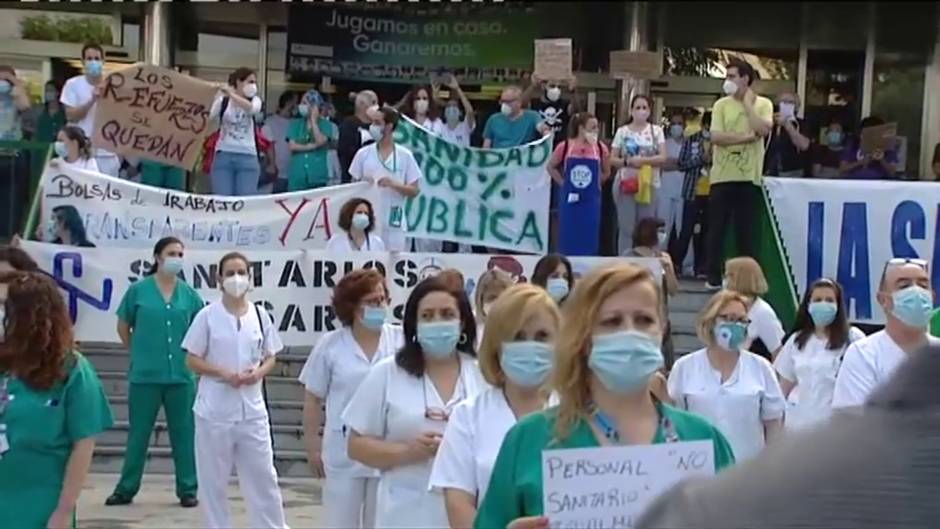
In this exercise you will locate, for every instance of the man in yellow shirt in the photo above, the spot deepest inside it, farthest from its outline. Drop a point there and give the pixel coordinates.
(740, 122)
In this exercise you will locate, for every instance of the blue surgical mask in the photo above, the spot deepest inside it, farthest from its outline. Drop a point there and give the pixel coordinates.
(913, 306)
(5, 87)
(373, 318)
(730, 335)
(94, 67)
(625, 361)
(60, 149)
(662, 238)
(50, 96)
(360, 221)
(303, 109)
(823, 312)
(452, 114)
(676, 131)
(439, 339)
(834, 138)
(376, 132)
(706, 134)
(527, 364)
(172, 265)
(557, 288)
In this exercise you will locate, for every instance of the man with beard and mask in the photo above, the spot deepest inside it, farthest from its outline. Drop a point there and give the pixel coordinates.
(740, 122)
(556, 110)
(906, 296)
(513, 125)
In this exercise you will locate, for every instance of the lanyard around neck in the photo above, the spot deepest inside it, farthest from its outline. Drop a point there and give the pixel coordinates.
(378, 153)
(4, 394)
(608, 427)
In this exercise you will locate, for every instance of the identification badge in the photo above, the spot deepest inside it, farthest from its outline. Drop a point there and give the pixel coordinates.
(394, 217)
(573, 198)
(4, 442)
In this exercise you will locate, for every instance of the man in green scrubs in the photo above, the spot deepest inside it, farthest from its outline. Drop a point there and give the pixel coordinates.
(42, 426)
(515, 489)
(159, 377)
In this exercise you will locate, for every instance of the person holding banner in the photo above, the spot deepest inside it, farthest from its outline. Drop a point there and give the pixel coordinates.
(357, 220)
(232, 345)
(80, 97)
(236, 168)
(397, 417)
(879, 164)
(333, 371)
(810, 360)
(554, 273)
(639, 150)
(727, 384)
(904, 293)
(516, 358)
(309, 138)
(393, 168)
(52, 406)
(73, 149)
(585, 166)
(153, 318)
(606, 353)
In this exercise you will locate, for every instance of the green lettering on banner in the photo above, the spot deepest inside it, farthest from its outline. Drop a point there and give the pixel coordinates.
(457, 178)
(542, 150)
(437, 212)
(531, 230)
(487, 159)
(459, 230)
(495, 217)
(434, 172)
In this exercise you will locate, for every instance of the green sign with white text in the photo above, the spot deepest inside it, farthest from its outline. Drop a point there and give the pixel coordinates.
(497, 198)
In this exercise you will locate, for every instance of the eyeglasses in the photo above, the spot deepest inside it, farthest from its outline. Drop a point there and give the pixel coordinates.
(434, 413)
(901, 261)
(731, 319)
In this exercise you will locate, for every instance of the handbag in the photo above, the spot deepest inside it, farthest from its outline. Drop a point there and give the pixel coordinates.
(629, 185)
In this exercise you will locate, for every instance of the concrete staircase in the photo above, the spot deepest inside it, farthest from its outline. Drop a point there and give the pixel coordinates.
(285, 395)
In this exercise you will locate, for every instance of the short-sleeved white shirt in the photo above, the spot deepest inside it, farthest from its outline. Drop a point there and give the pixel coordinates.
(390, 404)
(342, 242)
(459, 134)
(333, 372)
(432, 125)
(738, 406)
(867, 364)
(648, 140)
(236, 127)
(400, 166)
(764, 325)
(813, 369)
(77, 92)
(215, 337)
(85, 164)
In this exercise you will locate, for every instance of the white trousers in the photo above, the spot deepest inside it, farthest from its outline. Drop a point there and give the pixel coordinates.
(349, 503)
(247, 446)
(669, 202)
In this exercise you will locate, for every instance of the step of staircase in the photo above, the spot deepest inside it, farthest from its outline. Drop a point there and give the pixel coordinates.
(288, 438)
(278, 388)
(107, 357)
(285, 412)
(109, 459)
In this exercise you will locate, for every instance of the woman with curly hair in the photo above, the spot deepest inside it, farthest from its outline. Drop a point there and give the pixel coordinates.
(52, 406)
(607, 352)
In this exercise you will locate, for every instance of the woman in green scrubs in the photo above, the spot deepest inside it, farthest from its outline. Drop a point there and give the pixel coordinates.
(50, 116)
(52, 406)
(152, 320)
(309, 138)
(608, 353)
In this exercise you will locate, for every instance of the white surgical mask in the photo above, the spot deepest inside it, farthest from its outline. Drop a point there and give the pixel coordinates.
(505, 108)
(787, 110)
(250, 90)
(641, 115)
(553, 93)
(591, 137)
(452, 114)
(236, 285)
(729, 87)
(376, 132)
(421, 106)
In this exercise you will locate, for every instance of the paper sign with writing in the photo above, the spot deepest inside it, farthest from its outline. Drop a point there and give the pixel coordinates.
(154, 113)
(609, 487)
(497, 198)
(879, 138)
(637, 64)
(118, 213)
(295, 286)
(553, 59)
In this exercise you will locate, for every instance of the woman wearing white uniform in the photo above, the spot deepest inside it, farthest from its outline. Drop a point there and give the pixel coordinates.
(333, 372)
(734, 389)
(396, 418)
(393, 168)
(232, 345)
(810, 359)
(765, 333)
(357, 220)
(516, 357)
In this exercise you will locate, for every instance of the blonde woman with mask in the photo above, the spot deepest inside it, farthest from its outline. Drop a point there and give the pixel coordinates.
(727, 384)
(516, 357)
(232, 345)
(607, 351)
(765, 332)
(491, 284)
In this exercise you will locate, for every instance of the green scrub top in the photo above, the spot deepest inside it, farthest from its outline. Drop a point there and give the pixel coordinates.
(935, 324)
(48, 125)
(309, 169)
(516, 482)
(158, 329)
(42, 427)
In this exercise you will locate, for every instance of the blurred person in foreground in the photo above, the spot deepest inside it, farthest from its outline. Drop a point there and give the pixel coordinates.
(872, 470)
